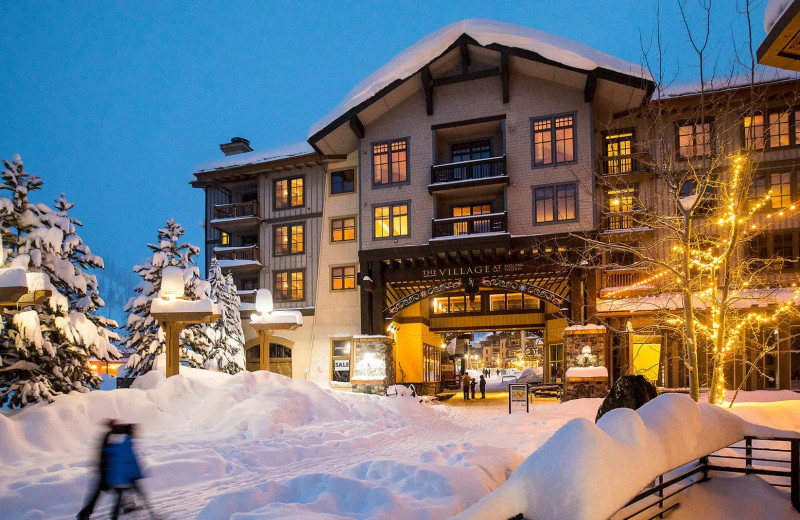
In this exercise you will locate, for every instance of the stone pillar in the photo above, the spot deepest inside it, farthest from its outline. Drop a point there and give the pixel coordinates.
(372, 364)
(588, 385)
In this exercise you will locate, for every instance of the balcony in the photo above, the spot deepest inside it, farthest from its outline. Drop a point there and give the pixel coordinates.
(237, 217)
(241, 259)
(623, 221)
(472, 225)
(478, 172)
(626, 164)
(628, 281)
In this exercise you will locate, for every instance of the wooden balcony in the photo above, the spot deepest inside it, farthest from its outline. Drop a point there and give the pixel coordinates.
(622, 282)
(626, 164)
(623, 221)
(238, 258)
(247, 296)
(472, 225)
(479, 172)
(235, 218)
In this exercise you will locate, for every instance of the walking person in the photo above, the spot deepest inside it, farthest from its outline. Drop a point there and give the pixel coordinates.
(472, 388)
(483, 387)
(123, 471)
(465, 380)
(100, 483)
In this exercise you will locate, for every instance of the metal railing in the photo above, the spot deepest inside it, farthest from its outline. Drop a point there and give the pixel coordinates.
(488, 223)
(236, 210)
(238, 253)
(247, 296)
(620, 164)
(651, 502)
(469, 170)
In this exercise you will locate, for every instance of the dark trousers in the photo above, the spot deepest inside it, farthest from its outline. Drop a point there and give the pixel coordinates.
(483, 393)
(466, 392)
(86, 512)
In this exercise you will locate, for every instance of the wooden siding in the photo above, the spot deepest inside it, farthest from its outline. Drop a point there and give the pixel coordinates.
(214, 196)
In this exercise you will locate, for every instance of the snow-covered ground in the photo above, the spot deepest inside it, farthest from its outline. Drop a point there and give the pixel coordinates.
(259, 445)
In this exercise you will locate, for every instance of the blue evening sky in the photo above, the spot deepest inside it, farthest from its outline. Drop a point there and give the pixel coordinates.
(115, 103)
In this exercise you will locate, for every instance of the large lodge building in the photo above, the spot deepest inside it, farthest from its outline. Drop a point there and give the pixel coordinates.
(444, 194)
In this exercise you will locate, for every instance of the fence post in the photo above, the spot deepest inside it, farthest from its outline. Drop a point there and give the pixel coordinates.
(704, 464)
(748, 454)
(795, 474)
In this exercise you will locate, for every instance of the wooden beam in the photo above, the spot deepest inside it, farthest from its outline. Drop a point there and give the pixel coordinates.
(479, 74)
(427, 86)
(357, 127)
(590, 88)
(504, 74)
(464, 59)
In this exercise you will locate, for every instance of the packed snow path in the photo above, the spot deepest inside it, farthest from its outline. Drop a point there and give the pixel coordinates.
(266, 446)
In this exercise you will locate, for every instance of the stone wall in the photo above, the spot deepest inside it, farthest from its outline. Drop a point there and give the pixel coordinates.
(585, 388)
(372, 364)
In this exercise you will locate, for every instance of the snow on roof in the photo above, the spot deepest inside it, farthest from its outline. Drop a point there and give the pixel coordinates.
(744, 299)
(585, 372)
(159, 305)
(763, 75)
(773, 12)
(485, 32)
(243, 159)
(13, 277)
(585, 328)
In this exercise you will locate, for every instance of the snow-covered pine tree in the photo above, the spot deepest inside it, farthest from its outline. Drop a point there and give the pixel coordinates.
(227, 347)
(45, 349)
(143, 333)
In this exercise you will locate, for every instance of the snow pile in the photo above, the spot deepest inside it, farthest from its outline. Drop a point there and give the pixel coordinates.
(485, 32)
(576, 473)
(160, 305)
(773, 12)
(531, 375)
(583, 372)
(243, 159)
(278, 318)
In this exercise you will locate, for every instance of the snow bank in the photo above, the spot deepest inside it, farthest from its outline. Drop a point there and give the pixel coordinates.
(582, 372)
(576, 473)
(485, 32)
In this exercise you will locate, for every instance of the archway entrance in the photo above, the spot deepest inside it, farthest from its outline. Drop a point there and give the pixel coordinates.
(280, 358)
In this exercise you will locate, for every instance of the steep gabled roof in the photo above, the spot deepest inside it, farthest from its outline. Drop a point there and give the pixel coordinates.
(533, 43)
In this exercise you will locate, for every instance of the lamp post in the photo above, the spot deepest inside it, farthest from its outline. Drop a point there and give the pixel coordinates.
(266, 320)
(173, 313)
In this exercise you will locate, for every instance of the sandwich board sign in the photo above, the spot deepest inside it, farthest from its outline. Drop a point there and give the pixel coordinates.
(518, 397)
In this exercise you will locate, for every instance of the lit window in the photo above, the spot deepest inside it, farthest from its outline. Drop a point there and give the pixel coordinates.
(497, 302)
(343, 229)
(343, 278)
(694, 140)
(478, 225)
(553, 140)
(289, 239)
(754, 132)
(781, 190)
(456, 304)
(620, 202)
(225, 239)
(618, 151)
(343, 182)
(390, 162)
(757, 190)
(288, 285)
(390, 221)
(555, 203)
(778, 129)
(289, 193)
(542, 142)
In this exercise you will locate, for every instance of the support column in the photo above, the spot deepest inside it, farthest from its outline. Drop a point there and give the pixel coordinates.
(263, 342)
(378, 325)
(576, 297)
(172, 329)
(366, 299)
(592, 290)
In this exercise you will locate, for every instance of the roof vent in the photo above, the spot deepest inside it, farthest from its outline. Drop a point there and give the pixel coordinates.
(236, 146)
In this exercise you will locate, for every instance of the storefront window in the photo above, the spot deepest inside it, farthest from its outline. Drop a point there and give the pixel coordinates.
(340, 360)
(431, 362)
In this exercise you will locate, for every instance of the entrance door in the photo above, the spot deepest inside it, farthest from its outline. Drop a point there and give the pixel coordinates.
(280, 359)
(556, 362)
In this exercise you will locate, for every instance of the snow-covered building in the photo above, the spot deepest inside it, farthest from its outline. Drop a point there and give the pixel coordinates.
(279, 219)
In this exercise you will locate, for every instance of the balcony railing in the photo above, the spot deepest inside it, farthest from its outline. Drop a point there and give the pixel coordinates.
(237, 253)
(237, 210)
(475, 224)
(624, 277)
(621, 164)
(247, 296)
(469, 170)
(623, 220)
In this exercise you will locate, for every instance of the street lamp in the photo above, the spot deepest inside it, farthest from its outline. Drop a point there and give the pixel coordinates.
(174, 312)
(19, 287)
(266, 319)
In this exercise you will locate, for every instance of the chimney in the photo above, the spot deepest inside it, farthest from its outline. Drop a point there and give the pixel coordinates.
(236, 146)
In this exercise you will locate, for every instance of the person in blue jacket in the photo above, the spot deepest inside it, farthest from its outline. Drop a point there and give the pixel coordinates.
(122, 470)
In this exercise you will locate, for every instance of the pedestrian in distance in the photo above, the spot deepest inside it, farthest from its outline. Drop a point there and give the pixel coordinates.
(472, 388)
(465, 380)
(483, 387)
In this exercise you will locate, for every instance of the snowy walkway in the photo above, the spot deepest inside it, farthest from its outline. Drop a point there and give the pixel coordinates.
(270, 447)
